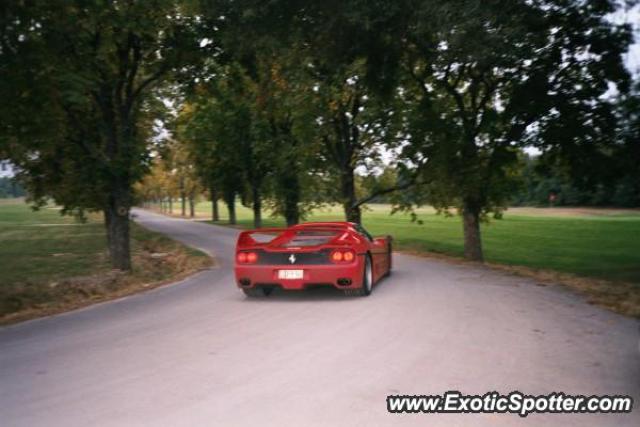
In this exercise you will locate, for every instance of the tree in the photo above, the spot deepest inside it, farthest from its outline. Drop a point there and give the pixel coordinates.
(352, 124)
(493, 77)
(627, 152)
(201, 150)
(615, 183)
(282, 125)
(182, 175)
(215, 125)
(242, 128)
(257, 37)
(159, 186)
(346, 53)
(478, 80)
(605, 171)
(84, 73)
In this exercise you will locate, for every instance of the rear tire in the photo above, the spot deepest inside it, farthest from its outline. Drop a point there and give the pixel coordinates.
(367, 281)
(259, 292)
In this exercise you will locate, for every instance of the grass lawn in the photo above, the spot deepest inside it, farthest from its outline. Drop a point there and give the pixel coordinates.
(604, 244)
(50, 262)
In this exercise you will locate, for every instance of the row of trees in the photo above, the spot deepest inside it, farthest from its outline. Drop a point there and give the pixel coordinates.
(172, 176)
(543, 184)
(285, 103)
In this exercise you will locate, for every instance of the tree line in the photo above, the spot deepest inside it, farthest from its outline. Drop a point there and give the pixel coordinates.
(543, 184)
(289, 104)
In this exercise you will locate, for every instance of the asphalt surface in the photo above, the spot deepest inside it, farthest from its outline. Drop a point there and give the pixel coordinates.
(198, 353)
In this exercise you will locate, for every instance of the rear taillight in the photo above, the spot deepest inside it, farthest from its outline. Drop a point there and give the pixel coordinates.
(342, 256)
(247, 257)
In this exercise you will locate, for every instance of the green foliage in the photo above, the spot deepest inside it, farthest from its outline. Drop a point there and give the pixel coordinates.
(551, 184)
(376, 183)
(216, 127)
(353, 125)
(83, 73)
(94, 65)
(605, 172)
(10, 188)
(245, 130)
(503, 75)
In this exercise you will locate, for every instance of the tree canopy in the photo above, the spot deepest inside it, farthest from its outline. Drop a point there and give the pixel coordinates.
(83, 74)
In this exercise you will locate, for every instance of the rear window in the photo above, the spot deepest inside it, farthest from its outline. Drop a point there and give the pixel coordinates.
(304, 238)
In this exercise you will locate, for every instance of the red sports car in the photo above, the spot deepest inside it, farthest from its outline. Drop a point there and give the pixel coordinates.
(338, 254)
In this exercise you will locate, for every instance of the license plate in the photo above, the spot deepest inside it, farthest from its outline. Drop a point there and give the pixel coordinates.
(290, 274)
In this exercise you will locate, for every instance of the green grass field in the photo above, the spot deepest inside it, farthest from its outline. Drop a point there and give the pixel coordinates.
(40, 245)
(603, 244)
(49, 262)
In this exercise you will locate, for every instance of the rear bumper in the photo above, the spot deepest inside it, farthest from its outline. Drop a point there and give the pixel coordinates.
(251, 276)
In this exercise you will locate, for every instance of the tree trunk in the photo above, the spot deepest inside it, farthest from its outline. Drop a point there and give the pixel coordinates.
(354, 214)
(215, 214)
(171, 205)
(183, 203)
(291, 213)
(231, 206)
(230, 200)
(192, 206)
(291, 188)
(117, 224)
(348, 187)
(472, 240)
(107, 225)
(257, 208)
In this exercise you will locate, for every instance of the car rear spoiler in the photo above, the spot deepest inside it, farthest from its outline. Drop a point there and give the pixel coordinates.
(245, 239)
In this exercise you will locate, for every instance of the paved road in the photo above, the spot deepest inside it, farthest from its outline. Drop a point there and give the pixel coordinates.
(198, 353)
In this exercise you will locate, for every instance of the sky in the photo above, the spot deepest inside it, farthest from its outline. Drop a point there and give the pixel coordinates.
(5, 169)
(631, 16)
